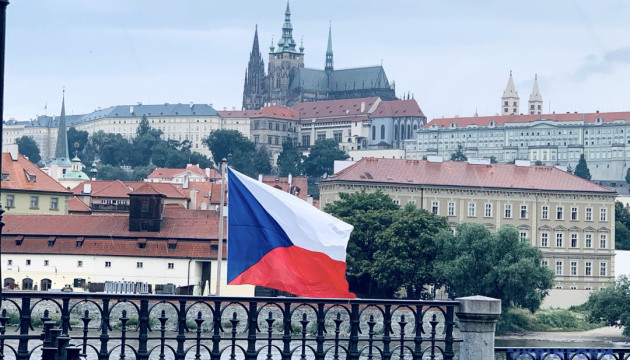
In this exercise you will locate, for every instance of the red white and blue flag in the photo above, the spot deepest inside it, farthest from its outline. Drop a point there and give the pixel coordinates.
(279, 241)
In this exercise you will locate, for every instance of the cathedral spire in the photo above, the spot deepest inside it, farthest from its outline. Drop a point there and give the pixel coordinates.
(510, 99)
(535, 99)
(61, 151)
(253, 89)
(286, 43)
(255, 48)
(329, 52)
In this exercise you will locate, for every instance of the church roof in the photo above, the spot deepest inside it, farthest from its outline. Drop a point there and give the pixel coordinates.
(363, 78)
(510, 90)
(397, 108)
(535, 96)
(336, 108)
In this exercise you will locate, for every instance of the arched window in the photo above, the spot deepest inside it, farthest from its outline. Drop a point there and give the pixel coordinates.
(408, 131)
(382, 132)
(9, 283)
(396, 132)
(415, 126)
(402, 132)
(46, 284)
(373, 132)
(27, 284)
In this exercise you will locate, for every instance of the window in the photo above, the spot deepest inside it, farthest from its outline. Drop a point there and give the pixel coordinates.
(54, 203)
(602, 241)
(396, 201)
(573, 268)
(588, 216)
(34, 202)
(603, 214)
(9, 262)
(139, 265)
(574, 240)
(523, 211)
(145, 207)
(544, 239)
(508, 210)
(558, 267)
(435, 207)
(523, 235)
(471, 209)
(588, 240)
(46, 263)
(108, 264)
(574, 213)
(588, 269)
(80, 263)
(28, 262)
(545, 212)
(545, 263)
(171, 266)
(10, 201)
(602, 269)
(373, 132)
(559, 238)
(451, 209)
(382, 131)
(488, 211)
(559, 213)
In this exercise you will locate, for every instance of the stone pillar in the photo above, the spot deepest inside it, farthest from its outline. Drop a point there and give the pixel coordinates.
(477, 319)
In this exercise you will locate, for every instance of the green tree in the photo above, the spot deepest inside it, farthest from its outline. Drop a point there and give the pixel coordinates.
(628, 176)
(407, 251)
(459, 154)
(612, 305)
(569, 169)
(622, 226)
(76, 137)
(28, 147)
(236, 148)
(290, 159)
(493, 160)
(143, 126)
(109, 172)
(581, 169)
(500, 265)
(140, 173)
(199, 159)
(112, 149)
(321, 159)
(262, 163)
(370, 214)
(539, 163)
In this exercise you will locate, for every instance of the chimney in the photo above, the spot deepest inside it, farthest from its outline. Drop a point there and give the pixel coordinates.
(309, 199)
(87, 188)
(260, 177)
(290, 180)
(193, 199)
(185, 186)
(12, 149)
(207, 173)
(362, 106)
(191, 104)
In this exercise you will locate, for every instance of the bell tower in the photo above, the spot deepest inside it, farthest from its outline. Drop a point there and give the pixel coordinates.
(510, 99)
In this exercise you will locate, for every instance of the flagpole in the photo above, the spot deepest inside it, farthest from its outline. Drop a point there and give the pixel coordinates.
(220, 244)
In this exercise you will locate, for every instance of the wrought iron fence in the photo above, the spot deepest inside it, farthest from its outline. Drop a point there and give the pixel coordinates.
(103, 326)
(550, 353)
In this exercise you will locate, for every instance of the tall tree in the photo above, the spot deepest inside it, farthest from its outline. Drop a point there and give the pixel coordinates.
(76, 137)
(262, 162)
(322, 158)
(108, 172)
(112, 149)
(370, 214)
(290, 159)
(143, 127)
(459, 154)
(622, 227)
(28, 147)
(581, 169)
(501, 265)
(611, 305)
(233, 146)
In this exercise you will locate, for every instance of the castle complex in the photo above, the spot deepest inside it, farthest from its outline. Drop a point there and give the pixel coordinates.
(287, 82)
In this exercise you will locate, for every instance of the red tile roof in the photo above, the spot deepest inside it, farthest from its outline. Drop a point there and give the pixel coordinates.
(168, 173)
(463, 174)
(397, 108)
(120, 189)
(203, 190)
(18, 172)
(299, 185)
(506, 119)
(354, 118)
(177, 224)
(273, 112)
(335, 108)
(75, 206)
(146, 189)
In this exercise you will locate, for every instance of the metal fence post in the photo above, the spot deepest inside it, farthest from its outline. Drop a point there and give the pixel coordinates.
(143, 330)
(353, 345)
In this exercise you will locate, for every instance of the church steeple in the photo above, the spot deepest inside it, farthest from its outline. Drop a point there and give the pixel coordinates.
(254, 87)
(61, 151)
(510, 99)
(329, 53)
(535, 99)
(286, 43)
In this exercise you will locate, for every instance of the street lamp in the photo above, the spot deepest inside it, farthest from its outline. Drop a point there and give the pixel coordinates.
(3, 26)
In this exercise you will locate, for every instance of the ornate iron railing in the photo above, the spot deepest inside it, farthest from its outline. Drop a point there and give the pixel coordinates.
(104, 326)
(550, 353)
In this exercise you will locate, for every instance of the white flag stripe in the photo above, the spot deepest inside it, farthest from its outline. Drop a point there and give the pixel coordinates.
(306, 226)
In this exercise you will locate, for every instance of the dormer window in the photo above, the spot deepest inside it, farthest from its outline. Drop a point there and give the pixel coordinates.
(5, 177)
(493, 123)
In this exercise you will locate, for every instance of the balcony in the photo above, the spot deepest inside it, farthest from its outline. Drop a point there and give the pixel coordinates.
(110, 207)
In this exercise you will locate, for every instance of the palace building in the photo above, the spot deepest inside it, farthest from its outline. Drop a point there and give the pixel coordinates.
(287, 82)
(570, 219)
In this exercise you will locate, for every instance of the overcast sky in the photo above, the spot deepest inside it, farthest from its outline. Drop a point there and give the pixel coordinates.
(454, 56)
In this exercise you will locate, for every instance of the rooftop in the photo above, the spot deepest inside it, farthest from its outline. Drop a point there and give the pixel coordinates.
(24, 175)
(272, 112)
(336, 108)
(463, 174)
(121, 189)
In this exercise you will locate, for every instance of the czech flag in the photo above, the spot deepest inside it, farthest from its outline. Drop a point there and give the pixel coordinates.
(279, 241)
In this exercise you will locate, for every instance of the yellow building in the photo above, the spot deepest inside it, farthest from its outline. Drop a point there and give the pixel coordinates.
(570, 219)
(28, 190)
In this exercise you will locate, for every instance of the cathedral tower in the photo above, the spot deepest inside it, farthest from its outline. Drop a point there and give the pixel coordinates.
(254, 92)
(283, 63)
(535, 99)
(329, 54)
(510, 99)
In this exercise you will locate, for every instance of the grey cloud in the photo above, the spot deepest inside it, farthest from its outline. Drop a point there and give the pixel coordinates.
(603, 64)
